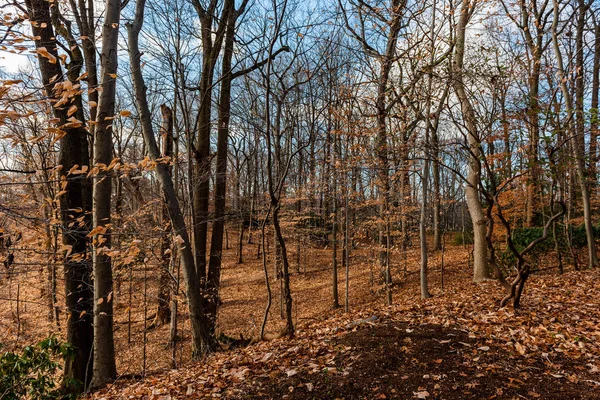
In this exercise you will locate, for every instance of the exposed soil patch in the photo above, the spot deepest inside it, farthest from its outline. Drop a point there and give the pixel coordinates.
(400, 361)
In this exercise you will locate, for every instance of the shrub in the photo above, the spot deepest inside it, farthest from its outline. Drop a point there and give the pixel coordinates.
(32, 373)
(523, 236)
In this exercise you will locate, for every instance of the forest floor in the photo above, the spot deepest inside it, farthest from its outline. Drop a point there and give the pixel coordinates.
(456, 345)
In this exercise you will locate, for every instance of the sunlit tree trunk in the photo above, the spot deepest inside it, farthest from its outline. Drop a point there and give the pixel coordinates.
(480, 260)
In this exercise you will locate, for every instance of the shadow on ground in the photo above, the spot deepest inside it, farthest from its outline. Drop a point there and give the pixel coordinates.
(397, 361)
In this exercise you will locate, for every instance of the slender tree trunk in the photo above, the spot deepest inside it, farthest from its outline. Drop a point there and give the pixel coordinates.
(534, 46)
(163, 311)
(423, 217)
(347, 241)
(334, 231)
(437, 220)
(382, 145)
(280, 172)
(86, 23)
(202, 339)
(594, 115)
(216, 246)
(425, 171)
(576, 141)
(241, 243)
(287, 294)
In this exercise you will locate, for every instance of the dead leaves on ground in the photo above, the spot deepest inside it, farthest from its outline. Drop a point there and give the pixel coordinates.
(560, 318)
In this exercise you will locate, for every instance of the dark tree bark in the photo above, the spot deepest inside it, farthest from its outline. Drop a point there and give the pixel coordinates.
(381, 148)
(212, 29)
(594, 115)
(83, 13)
(73, 205)
(202, 340)
(104, 347)
(216, 245)
(163, 311)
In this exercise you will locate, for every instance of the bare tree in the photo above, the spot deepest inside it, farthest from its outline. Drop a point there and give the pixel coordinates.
(480, 260)
(576, 137)
(104, 348)
(202, 339)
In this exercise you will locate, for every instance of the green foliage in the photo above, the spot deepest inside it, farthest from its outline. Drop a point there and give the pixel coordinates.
(461, 238)
(32, 373)
(523, 236)
(579, 237)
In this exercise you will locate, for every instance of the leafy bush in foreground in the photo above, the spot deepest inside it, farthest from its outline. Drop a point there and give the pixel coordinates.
(32, 373)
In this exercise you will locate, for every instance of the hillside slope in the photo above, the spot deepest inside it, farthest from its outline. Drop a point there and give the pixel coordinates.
(456, 345)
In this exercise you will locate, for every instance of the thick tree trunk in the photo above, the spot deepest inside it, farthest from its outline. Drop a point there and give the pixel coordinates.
(73, 205)
(202, 171)
(532, 211)
(212, 39)
(104, 348)
(480, 259)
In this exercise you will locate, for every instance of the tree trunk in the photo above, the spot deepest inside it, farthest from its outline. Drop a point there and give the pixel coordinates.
(212, 39)
(287, 294)
(382, 146)
(480, 260)
(73, 205)
(423, 217)
(334, 230)
(163, 311)
(104, 348)
(534, 46)
(241, 243)
(576, 141)
(437, 220)
(594, 115)
(216, 245)
(202, 340)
